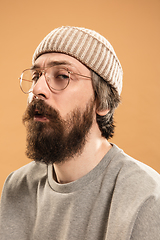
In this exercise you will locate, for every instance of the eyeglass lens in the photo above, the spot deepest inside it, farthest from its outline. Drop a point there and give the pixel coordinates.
(56, 77)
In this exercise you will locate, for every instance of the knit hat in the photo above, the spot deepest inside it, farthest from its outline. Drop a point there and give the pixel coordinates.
(87, 46)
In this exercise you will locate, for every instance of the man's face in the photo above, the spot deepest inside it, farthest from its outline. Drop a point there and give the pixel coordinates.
(58, 122)
(77, 93)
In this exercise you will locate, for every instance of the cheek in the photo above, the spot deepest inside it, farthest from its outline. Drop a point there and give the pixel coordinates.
(30, 97)
(76, 95)
(82, 94)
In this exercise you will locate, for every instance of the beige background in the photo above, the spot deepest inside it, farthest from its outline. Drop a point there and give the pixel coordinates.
(133, 28)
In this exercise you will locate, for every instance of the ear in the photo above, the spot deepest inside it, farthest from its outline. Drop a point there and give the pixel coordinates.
(102, 112)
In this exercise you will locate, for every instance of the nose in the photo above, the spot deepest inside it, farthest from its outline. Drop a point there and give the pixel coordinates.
(41, 89)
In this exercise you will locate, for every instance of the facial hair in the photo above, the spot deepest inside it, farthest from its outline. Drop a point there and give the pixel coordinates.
(58, 139)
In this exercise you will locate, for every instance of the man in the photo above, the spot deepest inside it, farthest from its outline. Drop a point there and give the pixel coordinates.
(79, 186)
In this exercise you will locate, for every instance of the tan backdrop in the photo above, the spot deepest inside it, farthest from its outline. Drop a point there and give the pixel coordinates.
(133, 28)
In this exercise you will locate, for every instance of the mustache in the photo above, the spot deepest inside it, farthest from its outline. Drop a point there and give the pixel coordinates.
(39, 107)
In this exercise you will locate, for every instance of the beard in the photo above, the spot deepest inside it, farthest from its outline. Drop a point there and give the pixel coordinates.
(56, 140)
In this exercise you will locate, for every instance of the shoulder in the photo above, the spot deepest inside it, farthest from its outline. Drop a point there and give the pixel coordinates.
(19, 199)
(135, 195)
(133, 181)
(26, 177)
(134, 172)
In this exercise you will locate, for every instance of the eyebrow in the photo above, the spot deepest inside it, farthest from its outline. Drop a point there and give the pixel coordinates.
(51, 64)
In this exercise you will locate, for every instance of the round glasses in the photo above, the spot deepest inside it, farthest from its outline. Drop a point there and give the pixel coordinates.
(57, 78)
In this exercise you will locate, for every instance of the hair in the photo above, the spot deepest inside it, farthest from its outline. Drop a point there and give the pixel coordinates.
(107, 98)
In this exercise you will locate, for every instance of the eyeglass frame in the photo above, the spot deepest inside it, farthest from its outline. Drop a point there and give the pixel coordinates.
(42, 70)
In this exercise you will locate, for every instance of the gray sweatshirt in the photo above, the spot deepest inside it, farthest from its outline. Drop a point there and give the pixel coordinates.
(118, 200)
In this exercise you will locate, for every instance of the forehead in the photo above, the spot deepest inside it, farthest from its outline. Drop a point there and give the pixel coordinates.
(48, 58)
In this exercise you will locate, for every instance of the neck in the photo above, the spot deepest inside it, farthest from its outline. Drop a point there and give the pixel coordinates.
(78, 166)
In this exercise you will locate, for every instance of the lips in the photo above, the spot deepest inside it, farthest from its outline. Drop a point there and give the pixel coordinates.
(38, 116)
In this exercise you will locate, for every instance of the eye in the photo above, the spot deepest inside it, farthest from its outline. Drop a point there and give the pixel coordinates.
(62, 74)
(35, 76)
(57, 78)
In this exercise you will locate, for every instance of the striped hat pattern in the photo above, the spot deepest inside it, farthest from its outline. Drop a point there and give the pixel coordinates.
(87, 46)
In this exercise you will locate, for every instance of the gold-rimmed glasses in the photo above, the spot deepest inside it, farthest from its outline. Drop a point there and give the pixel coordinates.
(57, 78)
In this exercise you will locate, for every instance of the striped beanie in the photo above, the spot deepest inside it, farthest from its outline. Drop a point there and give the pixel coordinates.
(87, 46)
